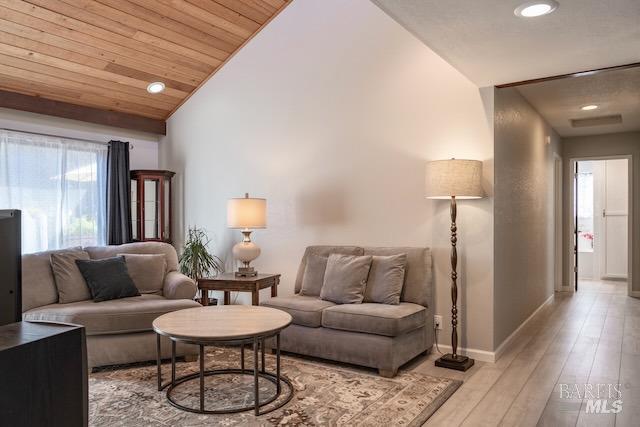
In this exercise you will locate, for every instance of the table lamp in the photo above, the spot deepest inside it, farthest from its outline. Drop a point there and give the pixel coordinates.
(246, 213)
(451, 180)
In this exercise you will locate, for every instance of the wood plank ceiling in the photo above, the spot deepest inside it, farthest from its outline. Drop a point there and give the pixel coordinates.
(104, 53)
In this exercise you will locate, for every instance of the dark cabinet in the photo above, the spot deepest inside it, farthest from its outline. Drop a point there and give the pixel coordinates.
(151, 210)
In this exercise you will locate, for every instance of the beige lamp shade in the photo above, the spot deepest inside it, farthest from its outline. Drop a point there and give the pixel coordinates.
(453, 177)
(247, 212)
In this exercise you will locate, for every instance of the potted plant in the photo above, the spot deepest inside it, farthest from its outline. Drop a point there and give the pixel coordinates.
(196, 261)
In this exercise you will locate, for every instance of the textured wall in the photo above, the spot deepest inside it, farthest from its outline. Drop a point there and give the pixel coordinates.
(523, 211)
(331, 113)
(615, 144)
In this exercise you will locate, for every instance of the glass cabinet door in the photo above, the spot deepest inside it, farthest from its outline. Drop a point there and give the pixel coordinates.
(135, 223)
(151, 205)
(151, 209)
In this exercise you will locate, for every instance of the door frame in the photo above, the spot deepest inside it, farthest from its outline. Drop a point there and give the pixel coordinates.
(558, 219)
(572, 224)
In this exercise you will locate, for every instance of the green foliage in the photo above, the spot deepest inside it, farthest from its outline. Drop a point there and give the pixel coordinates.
(196, 261)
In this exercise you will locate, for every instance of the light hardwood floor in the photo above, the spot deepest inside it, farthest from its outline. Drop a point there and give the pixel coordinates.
(591, 337)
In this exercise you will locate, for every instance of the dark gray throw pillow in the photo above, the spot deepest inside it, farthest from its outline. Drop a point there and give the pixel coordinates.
(107, 278)
(313, 275)
(345, 278)
(386, 278)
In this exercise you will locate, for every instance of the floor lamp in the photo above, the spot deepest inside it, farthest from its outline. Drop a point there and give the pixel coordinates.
(454, 180)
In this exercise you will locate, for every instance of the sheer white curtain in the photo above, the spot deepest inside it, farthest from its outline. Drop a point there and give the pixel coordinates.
(60, 186)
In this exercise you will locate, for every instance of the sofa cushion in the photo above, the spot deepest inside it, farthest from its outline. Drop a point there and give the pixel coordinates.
(345, 278)
(38, 284)
(313, 276)
(147, 271)
(418, 287)
(386, 277)
(99, 252)
(71, 285)
(372, 318)
(305, 310)
(120, 316)
(107, 278)
(323, 251)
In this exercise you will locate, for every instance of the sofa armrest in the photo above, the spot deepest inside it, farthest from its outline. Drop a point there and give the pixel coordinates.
(178, 286)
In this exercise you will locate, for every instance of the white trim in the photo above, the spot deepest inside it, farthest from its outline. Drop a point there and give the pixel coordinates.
(558, 218)
(507, 342)
(474, 353)
(635, 294)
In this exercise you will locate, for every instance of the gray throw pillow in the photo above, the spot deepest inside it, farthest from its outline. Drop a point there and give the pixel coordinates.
(386, 278)
(313, 275)
(147, 271)
(107, 278)
(345, 278)
(71, 285)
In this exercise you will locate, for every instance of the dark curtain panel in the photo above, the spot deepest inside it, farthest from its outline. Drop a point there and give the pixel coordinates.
(118, 194)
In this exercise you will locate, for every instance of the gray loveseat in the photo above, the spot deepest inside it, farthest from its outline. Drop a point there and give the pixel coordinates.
(379, 336)
(118, 331)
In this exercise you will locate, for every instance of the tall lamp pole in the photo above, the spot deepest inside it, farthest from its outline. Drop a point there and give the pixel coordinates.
(454, 179)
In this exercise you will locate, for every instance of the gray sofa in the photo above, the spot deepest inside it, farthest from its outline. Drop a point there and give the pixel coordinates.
(118, 331)
(379, 336)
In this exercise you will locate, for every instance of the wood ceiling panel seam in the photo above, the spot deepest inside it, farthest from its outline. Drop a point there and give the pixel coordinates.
(264, 8)
(23, 43)
(169, 23)
(56, 42)
(277, 4)
(245, 10)
(63, 62)
(170, 36)
(224, 13)
(104, 38)
(65, 9)
(140, 98)
(118, 98)
(160, 43)
(167, 8)
(83, 97)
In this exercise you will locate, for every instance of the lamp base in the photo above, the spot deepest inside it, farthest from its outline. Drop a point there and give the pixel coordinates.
(459, 363)
(246, 272)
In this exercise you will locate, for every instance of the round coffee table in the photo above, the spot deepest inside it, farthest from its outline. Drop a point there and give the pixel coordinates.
(224, 325)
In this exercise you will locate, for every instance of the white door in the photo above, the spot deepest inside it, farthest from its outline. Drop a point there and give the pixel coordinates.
(614, 249)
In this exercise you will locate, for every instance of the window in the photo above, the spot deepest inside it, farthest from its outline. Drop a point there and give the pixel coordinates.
(585, 208)
(60, 186)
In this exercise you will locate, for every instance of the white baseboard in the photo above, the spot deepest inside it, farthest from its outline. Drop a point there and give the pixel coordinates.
(507, 342)
(474, 353)
(635, 294)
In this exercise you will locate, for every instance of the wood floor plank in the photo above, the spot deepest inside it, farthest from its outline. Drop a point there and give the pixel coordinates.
(591, 336)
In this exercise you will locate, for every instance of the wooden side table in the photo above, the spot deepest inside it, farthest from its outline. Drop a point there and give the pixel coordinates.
(228, 283)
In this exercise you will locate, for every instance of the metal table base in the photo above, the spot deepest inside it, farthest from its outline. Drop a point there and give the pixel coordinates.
(257, 372)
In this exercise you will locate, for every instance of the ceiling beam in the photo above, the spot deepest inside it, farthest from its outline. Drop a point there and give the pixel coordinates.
(570, 75)
(36, 104)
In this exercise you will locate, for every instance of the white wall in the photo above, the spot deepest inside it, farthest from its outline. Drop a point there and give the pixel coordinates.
(331, 113)
(144, 154)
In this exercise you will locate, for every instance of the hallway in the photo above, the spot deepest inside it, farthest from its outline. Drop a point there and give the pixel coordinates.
(592, 337)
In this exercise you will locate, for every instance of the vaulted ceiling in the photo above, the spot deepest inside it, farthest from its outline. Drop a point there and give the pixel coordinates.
(104, 53)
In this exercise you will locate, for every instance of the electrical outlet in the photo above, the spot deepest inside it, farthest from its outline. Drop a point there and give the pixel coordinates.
(437, 321)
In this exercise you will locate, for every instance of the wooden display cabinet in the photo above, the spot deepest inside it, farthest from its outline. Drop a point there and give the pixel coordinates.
(151, 210)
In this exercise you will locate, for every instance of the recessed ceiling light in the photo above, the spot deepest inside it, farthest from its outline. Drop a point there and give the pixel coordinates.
(589, 107)
(533, 9)
(155, 87)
